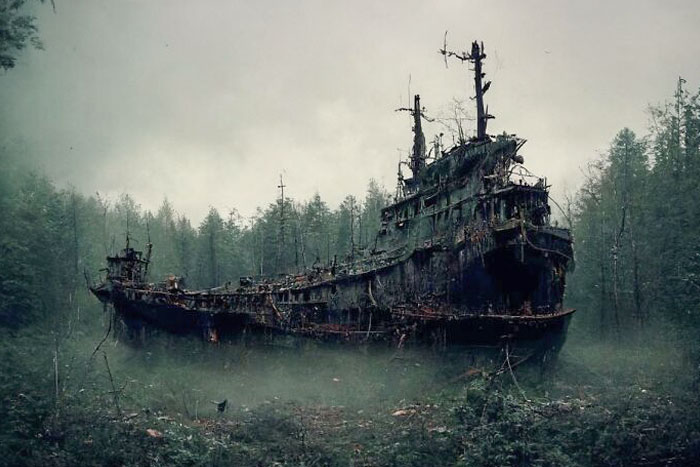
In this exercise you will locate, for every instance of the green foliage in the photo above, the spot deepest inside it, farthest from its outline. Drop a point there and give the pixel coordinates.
(605, 405)
(635, 223)
(17, 30)
(36, 250)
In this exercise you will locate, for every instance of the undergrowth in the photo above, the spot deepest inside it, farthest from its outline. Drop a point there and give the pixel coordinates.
(601, 405)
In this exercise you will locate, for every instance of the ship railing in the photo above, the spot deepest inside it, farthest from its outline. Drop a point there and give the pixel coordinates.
(437, 313)
(525, 310)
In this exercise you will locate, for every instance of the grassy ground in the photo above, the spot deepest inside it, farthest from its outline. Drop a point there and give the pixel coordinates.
(603, 404)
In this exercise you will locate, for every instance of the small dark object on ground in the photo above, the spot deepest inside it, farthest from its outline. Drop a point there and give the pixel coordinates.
(220, 406)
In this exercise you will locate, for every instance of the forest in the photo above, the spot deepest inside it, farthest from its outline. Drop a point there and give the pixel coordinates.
(624, 391)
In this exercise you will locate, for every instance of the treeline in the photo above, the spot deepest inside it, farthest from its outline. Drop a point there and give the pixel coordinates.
(636, 223)
(52, 240)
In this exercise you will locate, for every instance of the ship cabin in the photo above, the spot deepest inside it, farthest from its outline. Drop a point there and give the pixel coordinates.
(471, 184)
(128, 265)
(515, 202)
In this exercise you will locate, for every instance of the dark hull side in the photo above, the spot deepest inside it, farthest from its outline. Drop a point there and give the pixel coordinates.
(469, 330)
(500, 290)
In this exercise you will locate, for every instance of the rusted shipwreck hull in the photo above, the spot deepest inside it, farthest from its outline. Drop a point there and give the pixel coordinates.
(501, 284)
(211, 316)
(465, 254)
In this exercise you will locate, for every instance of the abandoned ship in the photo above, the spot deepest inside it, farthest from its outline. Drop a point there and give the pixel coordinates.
(466, 254)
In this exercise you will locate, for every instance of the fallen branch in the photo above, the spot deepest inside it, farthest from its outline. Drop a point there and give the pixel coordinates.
(115, 392)
(97, 348)
(510, 368)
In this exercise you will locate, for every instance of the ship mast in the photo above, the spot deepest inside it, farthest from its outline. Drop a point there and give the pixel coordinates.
(281, 264)
(475, 57)
(149, 250)
(418, 157)
(481, 117)
(418, 153)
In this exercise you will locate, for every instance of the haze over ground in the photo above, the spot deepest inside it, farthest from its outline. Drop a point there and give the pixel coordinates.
(208, 103)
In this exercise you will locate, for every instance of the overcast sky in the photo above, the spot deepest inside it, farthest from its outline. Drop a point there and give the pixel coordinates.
(208, 102)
